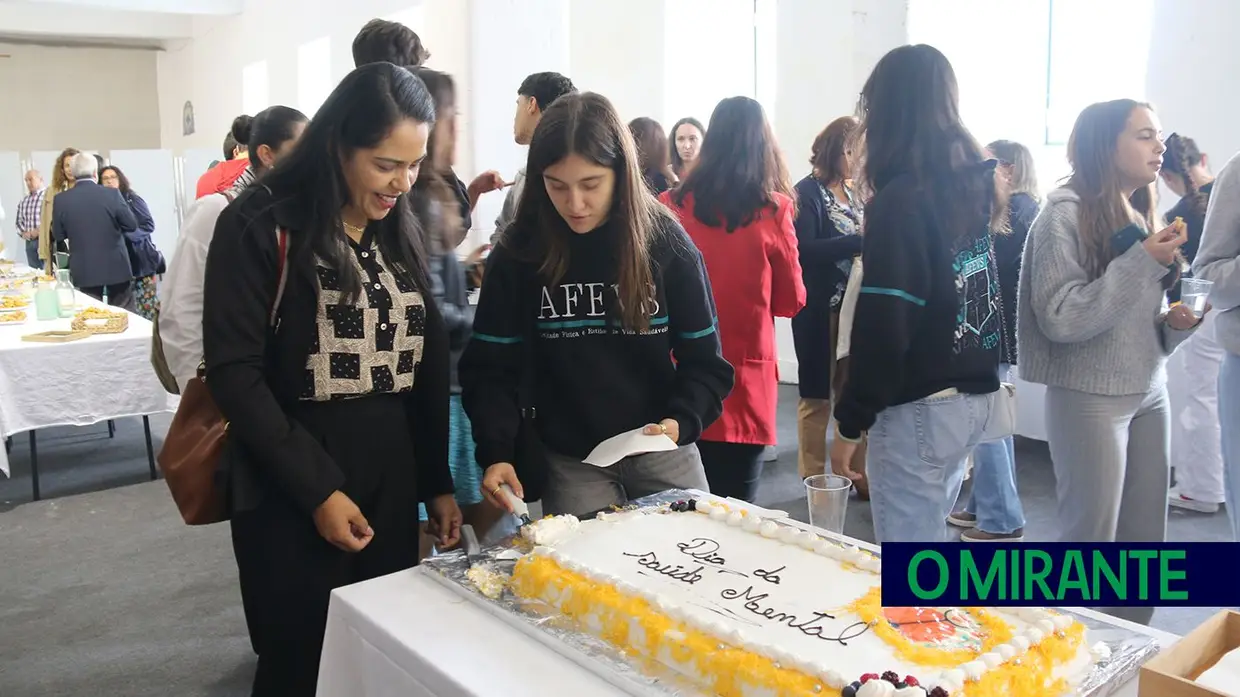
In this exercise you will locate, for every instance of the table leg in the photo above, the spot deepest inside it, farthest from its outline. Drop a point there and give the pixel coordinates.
(34, 466)
(111, 428)
(150, 449)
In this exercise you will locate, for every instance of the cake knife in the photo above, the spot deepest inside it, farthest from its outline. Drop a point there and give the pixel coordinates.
(519, 508)
(473, 550)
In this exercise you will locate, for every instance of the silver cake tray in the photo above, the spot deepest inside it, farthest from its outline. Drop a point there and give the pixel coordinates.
(638, 676)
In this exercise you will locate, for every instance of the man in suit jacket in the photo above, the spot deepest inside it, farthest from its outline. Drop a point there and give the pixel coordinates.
(94, 221)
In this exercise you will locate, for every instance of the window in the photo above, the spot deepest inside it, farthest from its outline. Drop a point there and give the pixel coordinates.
(717, 49)
(314, 74)
(254, 89)
(1029, 84)
(1098, 52)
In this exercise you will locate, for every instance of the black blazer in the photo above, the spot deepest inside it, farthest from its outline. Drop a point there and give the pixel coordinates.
(256, 373)
(96, 221)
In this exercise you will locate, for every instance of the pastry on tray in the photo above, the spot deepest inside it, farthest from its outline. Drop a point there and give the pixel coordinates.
(98, 320)
(12, 302)
(12, 317)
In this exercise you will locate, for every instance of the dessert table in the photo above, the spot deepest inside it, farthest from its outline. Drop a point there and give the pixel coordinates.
(76, 383)
(408, 635)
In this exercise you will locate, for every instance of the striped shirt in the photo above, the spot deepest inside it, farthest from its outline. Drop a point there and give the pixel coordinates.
(29, 210)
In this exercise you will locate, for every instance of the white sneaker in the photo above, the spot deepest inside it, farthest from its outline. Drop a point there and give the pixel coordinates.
(1178, 500)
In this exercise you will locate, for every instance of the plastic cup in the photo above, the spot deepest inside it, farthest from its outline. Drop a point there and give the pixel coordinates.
(1194, 292)
(828, 501)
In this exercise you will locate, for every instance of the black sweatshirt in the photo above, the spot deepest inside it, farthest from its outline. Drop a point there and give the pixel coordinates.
(928, 316)
(593, 378)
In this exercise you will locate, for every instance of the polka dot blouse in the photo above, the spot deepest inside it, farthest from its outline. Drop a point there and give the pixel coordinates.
(372, 346)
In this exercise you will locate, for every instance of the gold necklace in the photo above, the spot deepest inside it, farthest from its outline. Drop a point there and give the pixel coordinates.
(353, 228)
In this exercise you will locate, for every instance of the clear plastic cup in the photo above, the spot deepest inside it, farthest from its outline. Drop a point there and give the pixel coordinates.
(828, 501)
(1194, 292)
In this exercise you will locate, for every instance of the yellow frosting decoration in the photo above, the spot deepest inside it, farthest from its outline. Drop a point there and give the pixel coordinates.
(632, 625)
(1034, 675)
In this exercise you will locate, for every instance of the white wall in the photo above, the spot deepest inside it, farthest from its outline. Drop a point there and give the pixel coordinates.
(86, 98)
(1193, 65)
(207, 70)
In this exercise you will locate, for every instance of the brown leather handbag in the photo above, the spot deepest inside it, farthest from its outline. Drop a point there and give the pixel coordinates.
(190, 456)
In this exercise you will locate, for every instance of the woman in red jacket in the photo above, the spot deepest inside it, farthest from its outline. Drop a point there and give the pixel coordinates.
(737, 205)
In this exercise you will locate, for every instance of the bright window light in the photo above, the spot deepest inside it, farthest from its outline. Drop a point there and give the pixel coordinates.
(314, 74)
(1099, 50)
(710, 50)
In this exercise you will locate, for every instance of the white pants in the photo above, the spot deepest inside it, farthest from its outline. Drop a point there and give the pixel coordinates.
(1196, 441)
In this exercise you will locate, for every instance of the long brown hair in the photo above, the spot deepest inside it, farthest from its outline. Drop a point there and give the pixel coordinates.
(911, 125)
(587, 124)
(651, 144)
(830, 146)
(59, 181)
(739, 169)
(1104, 208)
(441, 218)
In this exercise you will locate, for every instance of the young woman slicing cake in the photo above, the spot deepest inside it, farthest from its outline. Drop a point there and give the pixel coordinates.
(599, 291)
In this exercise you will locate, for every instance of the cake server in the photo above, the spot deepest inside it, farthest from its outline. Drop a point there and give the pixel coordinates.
(473, 550)
(519, 508)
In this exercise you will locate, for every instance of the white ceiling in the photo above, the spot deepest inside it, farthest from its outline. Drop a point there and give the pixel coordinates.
(128, 23)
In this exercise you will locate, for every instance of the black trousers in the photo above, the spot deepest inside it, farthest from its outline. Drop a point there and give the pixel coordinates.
(732, 469)
(119, 295)
(287, 571)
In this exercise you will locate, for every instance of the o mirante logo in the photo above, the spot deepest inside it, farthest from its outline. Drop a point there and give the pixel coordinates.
(1093, 574)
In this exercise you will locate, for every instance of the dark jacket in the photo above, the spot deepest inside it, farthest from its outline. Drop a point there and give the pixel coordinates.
(143, 256)
(821, 247)
(1023, 208)
(96, 222)
(927, 317)
(256, 373)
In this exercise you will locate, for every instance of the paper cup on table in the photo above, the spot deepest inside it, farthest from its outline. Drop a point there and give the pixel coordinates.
(828, 501)
(1194, 292)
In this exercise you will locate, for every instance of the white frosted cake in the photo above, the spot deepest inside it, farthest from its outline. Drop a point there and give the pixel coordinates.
(743, 606)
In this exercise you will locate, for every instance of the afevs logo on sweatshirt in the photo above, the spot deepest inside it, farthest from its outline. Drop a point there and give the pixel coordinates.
(574, 310)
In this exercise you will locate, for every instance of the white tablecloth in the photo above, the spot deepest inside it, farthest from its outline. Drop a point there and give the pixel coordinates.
(406, 635)
(79, 383)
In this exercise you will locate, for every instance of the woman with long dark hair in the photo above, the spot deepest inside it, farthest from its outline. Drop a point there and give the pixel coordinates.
(273, 133)
(686, 139)
(924, 354)
(328, 356)
(828, 225)
(652, 151)
(1094, 327)
(144, 257)
(597, 289)
(738, 209)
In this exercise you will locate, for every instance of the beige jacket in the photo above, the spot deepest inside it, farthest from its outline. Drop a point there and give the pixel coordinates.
(46, 244)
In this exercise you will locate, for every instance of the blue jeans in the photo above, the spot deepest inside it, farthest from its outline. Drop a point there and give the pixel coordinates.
(994, 499)
(1228, 413)
(916, 462)
(32, 253)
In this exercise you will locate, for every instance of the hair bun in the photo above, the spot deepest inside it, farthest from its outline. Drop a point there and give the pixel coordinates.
(241, 128)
